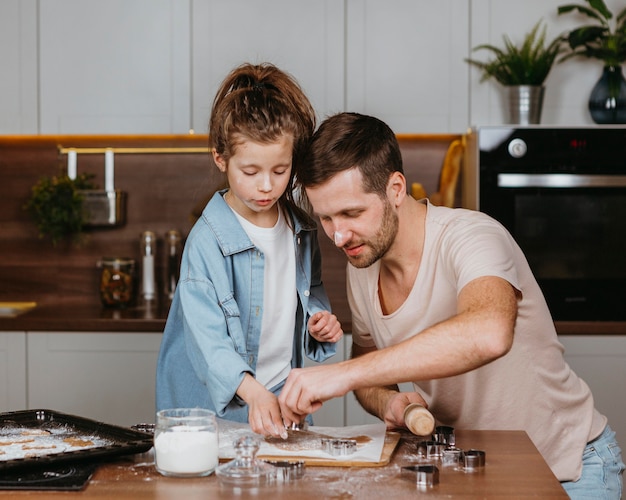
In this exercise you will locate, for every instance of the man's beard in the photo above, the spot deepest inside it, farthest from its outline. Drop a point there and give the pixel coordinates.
(382, 241)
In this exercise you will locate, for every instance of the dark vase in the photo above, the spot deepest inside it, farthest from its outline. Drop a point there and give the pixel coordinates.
(607, 102)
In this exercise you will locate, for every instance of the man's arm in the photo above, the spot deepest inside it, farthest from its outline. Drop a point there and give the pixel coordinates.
(373, 399)
(386, 403)
(480, 332)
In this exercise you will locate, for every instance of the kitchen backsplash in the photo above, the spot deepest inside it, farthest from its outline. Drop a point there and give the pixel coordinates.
(164, 191)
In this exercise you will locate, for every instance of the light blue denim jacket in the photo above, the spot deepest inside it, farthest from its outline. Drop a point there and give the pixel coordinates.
(211, 337)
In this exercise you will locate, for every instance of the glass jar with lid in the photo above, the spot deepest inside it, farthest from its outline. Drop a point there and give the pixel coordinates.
(116, 281)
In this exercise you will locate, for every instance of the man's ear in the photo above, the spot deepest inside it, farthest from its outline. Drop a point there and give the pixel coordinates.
(396, 188)
(219, 161)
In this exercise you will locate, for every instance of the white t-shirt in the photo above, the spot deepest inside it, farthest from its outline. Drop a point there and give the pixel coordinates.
(531, 388)
(280, 299)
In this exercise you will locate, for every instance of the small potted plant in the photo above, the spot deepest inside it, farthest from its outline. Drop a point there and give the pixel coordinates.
(606, 43)
(56, 207)
(522, 70)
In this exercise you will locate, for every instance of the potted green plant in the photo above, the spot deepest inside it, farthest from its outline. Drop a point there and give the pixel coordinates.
(606, 41)
(522, 70)
(56, 207)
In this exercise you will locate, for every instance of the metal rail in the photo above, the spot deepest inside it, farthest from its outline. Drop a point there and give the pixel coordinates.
(136, 150)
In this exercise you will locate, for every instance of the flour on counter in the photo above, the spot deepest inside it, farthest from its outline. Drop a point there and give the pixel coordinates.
(370, 439)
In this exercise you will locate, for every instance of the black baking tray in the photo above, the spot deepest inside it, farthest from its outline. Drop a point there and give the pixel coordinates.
(60, 477)
(118, 441)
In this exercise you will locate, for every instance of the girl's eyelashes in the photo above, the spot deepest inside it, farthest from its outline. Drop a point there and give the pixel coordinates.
(276, 172)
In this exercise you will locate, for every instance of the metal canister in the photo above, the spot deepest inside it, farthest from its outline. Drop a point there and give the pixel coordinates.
(116, 281)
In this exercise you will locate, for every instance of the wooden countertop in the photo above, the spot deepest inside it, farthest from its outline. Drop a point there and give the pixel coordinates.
(93, 317)
(514, 469)
(88, 317)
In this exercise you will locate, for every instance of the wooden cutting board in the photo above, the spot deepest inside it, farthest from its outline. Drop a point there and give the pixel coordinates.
(391, 441)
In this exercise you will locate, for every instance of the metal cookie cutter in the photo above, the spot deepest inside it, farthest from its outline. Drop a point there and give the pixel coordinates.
(288, 470)
(430, 450)
(444, 434)
(425, 475)
(297, 426)
(452, 457)
(337, 447)
(473, 460)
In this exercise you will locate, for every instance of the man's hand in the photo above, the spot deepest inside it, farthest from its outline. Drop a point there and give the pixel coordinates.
(325, 327)
(394, 410)
(307, 388)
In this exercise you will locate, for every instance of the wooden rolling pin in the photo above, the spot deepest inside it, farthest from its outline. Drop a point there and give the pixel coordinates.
(419, 420)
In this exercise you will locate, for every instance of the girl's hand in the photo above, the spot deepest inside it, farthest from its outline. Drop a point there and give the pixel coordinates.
(264, 414)
(325, 327)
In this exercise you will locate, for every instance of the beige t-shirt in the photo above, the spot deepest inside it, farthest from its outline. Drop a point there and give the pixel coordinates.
(531, 388)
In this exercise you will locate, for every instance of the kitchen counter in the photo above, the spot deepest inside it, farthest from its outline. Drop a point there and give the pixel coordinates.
(92, 316)
(514, 469)
(89, 317)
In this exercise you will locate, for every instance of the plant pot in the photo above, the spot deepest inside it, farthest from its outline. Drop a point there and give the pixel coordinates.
(607, 102)
(524, 104)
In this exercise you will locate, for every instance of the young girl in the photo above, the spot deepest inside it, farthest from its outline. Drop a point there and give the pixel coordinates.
(249, 300)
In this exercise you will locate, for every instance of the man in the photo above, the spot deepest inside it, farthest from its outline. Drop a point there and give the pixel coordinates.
(443, 298)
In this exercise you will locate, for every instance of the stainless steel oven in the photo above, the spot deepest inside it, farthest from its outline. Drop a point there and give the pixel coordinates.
(561, 192)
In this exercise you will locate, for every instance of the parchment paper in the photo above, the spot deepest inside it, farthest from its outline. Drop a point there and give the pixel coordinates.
(229, 432)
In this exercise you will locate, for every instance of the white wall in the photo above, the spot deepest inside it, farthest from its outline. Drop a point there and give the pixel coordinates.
(152, 66)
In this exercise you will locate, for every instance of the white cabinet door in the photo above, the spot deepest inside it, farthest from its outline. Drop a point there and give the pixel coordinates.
(405, 63)
(332, 412)
(114, 67)
(108, 377)
(345, 410)
(12, 371)
(302, 37)
(18, 78)
(600, 360)
(355, 414)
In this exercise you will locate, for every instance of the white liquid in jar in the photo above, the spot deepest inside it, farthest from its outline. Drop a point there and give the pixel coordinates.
(182, 451)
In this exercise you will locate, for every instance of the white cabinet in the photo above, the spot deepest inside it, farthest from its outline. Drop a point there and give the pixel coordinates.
(110, 376)
(105, 376)
(12, 371)
(18, 78)
(114, 67)
(302, 37)
(153, 66)
(600, 360)
(345, 410)
(332, 413)
(405, 63)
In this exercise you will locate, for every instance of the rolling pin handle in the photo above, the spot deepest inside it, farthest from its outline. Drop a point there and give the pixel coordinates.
(419, 420)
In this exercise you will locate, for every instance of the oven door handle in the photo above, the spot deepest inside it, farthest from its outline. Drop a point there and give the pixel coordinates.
(560, 181)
